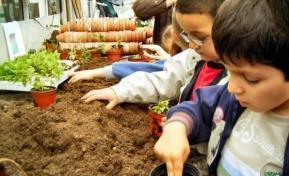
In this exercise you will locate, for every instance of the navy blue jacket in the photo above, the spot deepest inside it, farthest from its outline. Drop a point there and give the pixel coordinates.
(202, 110)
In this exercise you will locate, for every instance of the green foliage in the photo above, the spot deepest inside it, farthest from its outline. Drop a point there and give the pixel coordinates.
(102, 48)
(32, 68)
(161, 107)
(118, 45)
(72, 54)
(143, 23)
(85, 56)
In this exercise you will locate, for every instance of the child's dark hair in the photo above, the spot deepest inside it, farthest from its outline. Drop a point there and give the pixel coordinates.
(198, 6)
(280, 10)
(245, 29)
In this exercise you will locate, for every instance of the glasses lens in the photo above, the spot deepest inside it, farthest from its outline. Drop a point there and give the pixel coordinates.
(185, 36)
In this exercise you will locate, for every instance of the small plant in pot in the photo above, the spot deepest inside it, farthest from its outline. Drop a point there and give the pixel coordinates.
(115, 52)
(157, 115)
(39, 69)
(64, 54)
(43, 94)
(94, 53)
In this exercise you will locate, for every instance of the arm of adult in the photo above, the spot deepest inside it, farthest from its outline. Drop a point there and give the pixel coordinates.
(145, 9)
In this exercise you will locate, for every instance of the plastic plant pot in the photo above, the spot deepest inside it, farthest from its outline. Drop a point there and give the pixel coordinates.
(94, 53)
(161, 170)
(64, 54)
(155, 123)
(44, 98)
(114, 54)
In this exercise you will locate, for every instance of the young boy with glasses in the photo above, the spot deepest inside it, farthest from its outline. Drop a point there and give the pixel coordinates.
(184, 74)
(246, 122)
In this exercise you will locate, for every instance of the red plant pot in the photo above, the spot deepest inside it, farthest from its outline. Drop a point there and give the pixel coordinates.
(94, 54)
(64, 54)
(114, 55)
(155, 123)
(44, 98)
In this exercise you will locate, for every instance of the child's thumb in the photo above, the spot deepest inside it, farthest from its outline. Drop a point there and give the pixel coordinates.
(111, 104)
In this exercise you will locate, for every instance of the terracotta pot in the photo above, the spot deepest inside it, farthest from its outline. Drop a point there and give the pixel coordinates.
(78, 54)
(94, 53)
(64, 54)
(161, 170)
(114, 55)
(44, 98)
(155, 123)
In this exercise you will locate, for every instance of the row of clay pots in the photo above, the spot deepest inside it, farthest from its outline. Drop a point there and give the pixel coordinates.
(99, 25)
(82, 37)
(128, 48)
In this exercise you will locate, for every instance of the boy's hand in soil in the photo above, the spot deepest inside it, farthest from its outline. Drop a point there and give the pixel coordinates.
(159, 52)
(85, 75)
(102, 94)
(173, 147)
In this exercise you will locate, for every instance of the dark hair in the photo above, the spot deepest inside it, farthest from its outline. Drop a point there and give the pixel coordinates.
(245, 29)
(198, 6)
(280, 10)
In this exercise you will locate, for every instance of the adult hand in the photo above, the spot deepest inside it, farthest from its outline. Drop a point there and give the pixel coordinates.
(102, 94)
(160, 53)
(85, 75)
(173, 147)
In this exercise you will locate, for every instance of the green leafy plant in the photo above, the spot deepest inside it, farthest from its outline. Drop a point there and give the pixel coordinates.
(37, 68)
(102, 48)
(143, 23)
(72, 54)
(85, 56)
(116, 46)
(161, 107)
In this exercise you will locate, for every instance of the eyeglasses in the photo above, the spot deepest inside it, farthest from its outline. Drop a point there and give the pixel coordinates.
(189, 39)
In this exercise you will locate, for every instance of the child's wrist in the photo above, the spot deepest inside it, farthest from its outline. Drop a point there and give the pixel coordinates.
(182, 118)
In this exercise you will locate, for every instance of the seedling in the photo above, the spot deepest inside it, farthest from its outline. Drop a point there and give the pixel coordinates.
(161, 107)
(85, 56)
(72, 54)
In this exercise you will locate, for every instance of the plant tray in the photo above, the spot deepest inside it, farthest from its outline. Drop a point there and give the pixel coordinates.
(17, 86)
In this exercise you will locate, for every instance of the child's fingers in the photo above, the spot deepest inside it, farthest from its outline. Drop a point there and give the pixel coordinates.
(71, 74)
(152, 56)
(74, 79)
(170, 168)
(111, 104)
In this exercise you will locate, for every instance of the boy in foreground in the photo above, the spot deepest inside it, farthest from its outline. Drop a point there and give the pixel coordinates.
(246, 121)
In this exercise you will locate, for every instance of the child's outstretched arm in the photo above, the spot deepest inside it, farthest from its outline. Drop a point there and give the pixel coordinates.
(188, 123)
